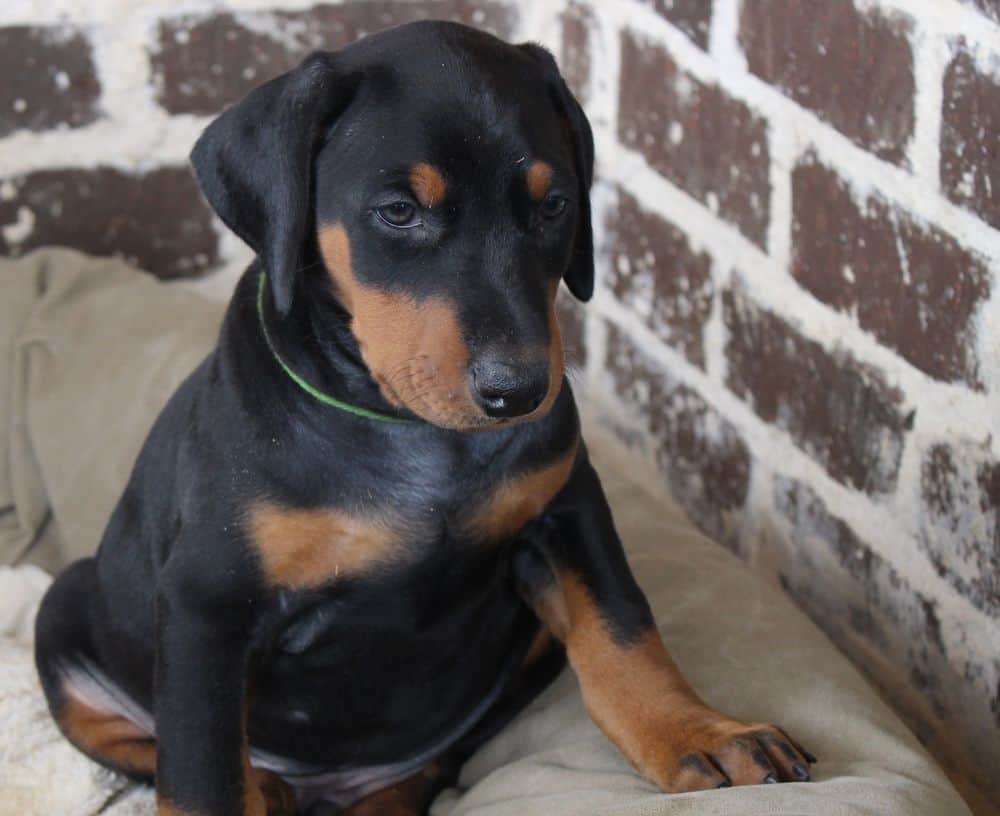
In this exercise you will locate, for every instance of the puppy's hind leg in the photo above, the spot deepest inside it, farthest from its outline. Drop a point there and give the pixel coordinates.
(93, 715)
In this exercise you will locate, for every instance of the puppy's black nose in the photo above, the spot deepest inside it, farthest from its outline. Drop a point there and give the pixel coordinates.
(509, 389)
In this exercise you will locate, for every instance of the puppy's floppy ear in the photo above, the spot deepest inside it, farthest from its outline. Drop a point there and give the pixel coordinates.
(254, 163)
(580, 273)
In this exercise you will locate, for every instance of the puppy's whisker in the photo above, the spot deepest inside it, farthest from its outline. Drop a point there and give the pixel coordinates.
(307, 267)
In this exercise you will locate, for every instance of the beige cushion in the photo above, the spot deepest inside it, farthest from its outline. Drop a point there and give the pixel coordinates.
(98, 348)
(749, 652)
(110, 348)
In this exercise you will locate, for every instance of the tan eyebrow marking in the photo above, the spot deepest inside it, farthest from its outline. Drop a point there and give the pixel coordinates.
(428, 184)
(539, 180)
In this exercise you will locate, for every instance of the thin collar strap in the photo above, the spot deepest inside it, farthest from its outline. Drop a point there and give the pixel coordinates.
(314, 392)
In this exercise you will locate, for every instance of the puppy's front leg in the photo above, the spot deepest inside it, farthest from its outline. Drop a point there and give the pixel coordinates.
(203, 630)
(572, 570)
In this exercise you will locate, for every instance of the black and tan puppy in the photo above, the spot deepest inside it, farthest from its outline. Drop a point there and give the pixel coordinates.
(364, 533)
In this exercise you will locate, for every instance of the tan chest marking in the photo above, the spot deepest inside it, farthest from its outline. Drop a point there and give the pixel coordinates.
(521, 498)
(300, 549)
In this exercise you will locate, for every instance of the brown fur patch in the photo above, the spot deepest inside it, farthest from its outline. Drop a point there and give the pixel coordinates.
(414, 349)
(279, 798)
(637, 695)
(308, 548)
(106, 736)
(264, 792)
(628, 689)
(410, 797)
(428, 184)
(539, 180)
(254, 803)
(521, 498)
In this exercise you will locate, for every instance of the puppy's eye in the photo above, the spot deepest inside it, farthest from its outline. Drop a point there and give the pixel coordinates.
(553, 206)
(399, 214)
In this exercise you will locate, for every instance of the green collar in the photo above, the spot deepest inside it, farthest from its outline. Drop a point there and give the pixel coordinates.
(326, 399)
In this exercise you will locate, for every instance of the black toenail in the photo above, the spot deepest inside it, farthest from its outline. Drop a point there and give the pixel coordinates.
(770, 780)
(809, 757)
(800, 772)
(725, 783)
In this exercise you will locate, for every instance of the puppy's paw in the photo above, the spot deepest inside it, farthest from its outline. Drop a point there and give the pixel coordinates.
(718, 751)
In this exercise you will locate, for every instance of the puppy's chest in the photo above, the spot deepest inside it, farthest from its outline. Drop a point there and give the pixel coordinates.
(307, 548)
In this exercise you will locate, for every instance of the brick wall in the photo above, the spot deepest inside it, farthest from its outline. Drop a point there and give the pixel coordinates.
(797, 317)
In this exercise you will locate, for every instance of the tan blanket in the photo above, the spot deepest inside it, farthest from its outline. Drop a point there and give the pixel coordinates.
(89, 351)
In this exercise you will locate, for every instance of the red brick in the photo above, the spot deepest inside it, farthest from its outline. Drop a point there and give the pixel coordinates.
(204, 62)
(693, 17)
(970, 144)
(960, 528)
(912, 286)
(881, 587)
(871, 611)
(157, 221)
(838, 410)
(852, 68)
(656, 274)
(706, 142)
(891, 630)
(49, 79)
(705, 460)
(575, 60)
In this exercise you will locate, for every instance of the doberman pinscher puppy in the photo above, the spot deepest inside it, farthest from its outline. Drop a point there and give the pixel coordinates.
(365, 532)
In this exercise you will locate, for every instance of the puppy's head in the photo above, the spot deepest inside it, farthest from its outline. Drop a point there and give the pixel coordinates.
(442, 178)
